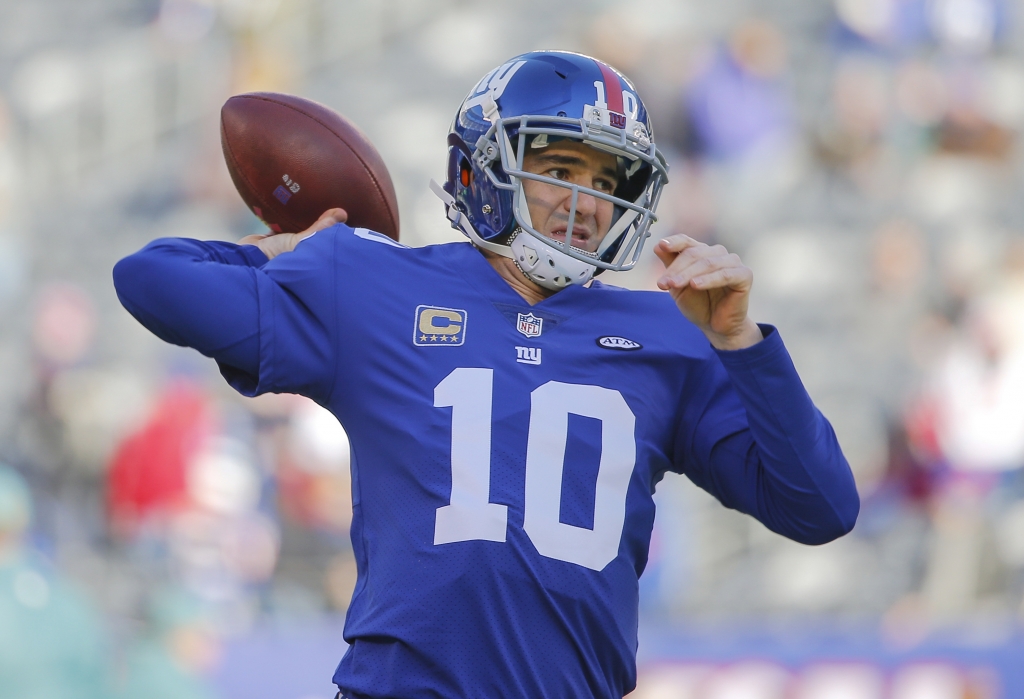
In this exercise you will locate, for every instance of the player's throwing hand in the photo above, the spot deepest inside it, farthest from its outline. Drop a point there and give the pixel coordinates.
(273, 244)
(711, 286)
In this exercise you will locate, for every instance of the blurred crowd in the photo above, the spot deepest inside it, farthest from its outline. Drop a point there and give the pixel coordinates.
(867, 172)
(862, 156)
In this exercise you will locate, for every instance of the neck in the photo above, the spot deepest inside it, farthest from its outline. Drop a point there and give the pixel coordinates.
(531, 292)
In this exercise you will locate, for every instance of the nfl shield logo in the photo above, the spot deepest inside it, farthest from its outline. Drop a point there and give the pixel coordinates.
(529, 324)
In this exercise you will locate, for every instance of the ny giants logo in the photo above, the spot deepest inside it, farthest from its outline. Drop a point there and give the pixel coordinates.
(282, 194)
(528, 355)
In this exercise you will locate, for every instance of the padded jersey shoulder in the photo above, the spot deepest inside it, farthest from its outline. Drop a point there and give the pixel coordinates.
(364, 244)
(656, 312)
(343, 235)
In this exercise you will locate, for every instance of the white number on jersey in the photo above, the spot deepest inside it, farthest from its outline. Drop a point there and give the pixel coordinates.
(470, 515)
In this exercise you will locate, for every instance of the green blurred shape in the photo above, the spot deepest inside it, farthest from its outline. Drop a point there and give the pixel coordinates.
(15, 501)
(51, 644)
(169, 664)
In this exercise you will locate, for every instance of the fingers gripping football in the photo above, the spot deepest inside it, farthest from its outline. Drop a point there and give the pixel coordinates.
(711, 286)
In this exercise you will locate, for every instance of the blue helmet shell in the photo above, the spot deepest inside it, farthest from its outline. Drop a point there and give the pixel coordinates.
(562, 85)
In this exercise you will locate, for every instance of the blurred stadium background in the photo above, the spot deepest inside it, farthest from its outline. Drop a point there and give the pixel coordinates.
(162, 537)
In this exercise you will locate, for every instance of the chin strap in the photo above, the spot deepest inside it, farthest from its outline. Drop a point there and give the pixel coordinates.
(546, 266)
(540, 263)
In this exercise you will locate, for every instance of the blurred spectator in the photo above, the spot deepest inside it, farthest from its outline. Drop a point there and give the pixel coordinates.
(958, 26)
(181, 649)
(967, 26)
(62, 333)
(8, 169)
(187, 493)
(899, 260)
(222, 545)
(878, 24)
(968, 428)
(51, 645)
(186, 21)
(148, 475)
(737, 104)
(967, 130)
(64, 325)
(314, 470)
(921, 93)
(739, 132)
(850, 136)
(979, 387)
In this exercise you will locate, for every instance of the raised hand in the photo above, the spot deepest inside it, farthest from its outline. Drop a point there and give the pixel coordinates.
(273, 244)
(711, 286)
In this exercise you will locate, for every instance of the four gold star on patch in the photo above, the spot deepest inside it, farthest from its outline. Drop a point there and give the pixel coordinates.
(437, 325)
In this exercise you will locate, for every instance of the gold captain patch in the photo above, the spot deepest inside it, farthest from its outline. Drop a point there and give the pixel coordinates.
(439, 327)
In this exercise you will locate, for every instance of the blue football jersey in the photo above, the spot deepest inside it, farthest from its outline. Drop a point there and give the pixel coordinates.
(504, 456)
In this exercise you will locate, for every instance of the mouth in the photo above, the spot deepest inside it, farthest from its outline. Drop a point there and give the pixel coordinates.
(580, 236)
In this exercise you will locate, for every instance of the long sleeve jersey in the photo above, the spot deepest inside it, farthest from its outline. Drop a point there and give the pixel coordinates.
(504, 455)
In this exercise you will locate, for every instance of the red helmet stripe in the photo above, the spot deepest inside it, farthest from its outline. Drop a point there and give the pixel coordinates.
(612, 88)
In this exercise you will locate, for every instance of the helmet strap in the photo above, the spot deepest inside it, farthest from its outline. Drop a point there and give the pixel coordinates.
(461, 221)
(546, 266)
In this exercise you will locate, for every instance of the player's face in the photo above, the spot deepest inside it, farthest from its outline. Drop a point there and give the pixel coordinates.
(574, 163)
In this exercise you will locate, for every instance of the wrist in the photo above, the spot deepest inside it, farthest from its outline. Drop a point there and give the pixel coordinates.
(748, 336)
(277, 244)
(270, 249)
(272, 244)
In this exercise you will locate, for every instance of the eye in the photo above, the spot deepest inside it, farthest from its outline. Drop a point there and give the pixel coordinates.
(603, 185)
(558, 173)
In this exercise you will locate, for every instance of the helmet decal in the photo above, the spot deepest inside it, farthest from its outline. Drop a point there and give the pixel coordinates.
(492, 86)
(610, 87)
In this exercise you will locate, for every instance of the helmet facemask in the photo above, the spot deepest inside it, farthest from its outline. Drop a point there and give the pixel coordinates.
(643, 173)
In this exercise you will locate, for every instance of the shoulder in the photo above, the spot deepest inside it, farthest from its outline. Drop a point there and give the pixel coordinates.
(635, 299)
(345, 241)
(353, 251)
(652, 315)
(350, 259)
(341, 235)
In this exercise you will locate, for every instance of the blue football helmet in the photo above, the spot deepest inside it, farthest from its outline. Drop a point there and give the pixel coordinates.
(531, 101)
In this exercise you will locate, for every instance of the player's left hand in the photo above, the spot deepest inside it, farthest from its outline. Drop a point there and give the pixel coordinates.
(711, 286)
(274, 244)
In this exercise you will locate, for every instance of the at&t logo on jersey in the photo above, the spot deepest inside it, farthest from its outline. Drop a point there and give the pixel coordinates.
(439, 327)
(529, 324)
(618, 343)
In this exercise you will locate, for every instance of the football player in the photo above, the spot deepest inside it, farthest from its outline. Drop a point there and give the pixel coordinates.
(510, 415)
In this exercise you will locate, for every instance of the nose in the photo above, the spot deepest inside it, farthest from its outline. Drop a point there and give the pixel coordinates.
(586, 204)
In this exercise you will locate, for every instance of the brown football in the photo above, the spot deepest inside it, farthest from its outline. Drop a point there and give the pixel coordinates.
(291, 159)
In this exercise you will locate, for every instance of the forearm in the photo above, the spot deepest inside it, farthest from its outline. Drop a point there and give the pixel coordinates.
(196, 294)
(788, 469)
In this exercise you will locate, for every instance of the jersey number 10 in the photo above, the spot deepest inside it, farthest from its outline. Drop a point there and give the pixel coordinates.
(470, 514)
